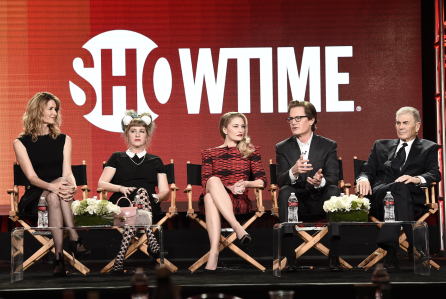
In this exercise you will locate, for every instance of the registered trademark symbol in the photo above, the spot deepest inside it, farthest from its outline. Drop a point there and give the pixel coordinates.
(358, 108)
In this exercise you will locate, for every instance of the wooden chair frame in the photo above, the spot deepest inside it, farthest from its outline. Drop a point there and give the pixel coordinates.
(47, 243)
(378, 254)
(227, 242)
(140, 243)
(309, 241)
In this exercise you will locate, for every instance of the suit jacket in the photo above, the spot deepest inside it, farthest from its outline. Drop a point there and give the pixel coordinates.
(422, 161)
(322, 155)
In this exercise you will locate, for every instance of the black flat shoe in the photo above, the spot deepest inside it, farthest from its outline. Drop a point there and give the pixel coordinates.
(207, 271)
(335, 265)
(56, 263)
(245, 239)
(72, 247)
(119, 272)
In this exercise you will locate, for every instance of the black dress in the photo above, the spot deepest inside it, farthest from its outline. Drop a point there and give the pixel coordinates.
(130, 174)
(46, 155)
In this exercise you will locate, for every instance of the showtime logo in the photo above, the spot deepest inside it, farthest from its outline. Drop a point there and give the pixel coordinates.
(118, 41)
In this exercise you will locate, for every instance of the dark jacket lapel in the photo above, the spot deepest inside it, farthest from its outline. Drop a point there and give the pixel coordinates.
(414, 151)
(392, 148)
(314, 153)
(294, 150)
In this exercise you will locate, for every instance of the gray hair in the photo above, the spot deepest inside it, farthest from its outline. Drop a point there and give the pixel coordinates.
(409, 110)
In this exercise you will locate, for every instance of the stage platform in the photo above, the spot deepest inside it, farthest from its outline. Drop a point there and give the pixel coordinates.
(236, 278)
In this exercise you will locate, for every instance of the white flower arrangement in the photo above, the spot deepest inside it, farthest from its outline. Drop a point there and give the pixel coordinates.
(346, 203)
(93, 206)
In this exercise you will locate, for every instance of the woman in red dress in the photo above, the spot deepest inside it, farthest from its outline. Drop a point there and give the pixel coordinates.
(225, 176)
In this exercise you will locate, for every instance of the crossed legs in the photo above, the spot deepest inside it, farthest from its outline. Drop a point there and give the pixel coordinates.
(217, 201)
(130, 232)
(59, 212)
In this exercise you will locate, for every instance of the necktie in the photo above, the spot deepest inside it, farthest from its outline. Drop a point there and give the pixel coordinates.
(399, 160)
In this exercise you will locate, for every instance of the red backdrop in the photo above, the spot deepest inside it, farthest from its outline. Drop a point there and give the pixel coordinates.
(41, 42)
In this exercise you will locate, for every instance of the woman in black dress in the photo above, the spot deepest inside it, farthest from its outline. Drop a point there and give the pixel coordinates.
(136, 172)
(44, 154)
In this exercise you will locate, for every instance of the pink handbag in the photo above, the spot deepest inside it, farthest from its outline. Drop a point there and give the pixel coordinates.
(127, 215)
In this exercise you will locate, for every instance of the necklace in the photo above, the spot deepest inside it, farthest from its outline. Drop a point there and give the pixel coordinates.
(139, 162)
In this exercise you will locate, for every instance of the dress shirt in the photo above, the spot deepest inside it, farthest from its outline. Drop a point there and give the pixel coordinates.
(305, 151)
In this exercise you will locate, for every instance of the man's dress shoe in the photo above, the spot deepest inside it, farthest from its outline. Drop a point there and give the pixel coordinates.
(335, 265)
(290, 266)
(391, 263)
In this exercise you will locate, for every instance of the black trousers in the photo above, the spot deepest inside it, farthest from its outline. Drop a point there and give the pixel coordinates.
(404, 211)
(310, 208)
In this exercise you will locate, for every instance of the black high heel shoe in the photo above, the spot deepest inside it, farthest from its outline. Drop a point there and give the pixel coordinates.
(245, 239)
(72, 247)
(56, 263)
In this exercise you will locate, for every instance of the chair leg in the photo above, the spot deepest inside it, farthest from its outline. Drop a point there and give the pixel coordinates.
(246, 257)
(314, 241)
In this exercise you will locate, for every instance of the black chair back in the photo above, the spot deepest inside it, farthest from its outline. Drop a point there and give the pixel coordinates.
(341, 169)
(273, 173)
(170, 171)
(194, 174)
(80, 174)
(357, 165)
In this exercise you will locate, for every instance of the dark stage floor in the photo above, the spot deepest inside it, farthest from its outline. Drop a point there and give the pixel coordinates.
(237, 279)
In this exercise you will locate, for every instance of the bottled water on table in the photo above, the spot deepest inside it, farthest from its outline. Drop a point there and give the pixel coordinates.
(140, 285)
(42, 213)
(292, 208)
(389, 208)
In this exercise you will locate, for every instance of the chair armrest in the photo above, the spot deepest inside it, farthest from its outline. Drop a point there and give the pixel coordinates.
(258, 192)
(173, 198)
(188, 191)
(102, 193)
(12, 191)
(14, 197)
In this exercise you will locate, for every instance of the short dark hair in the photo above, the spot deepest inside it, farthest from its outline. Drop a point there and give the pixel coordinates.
(309, 109)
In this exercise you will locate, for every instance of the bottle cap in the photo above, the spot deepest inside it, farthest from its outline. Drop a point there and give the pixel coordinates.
(388, 192)
(292, 193)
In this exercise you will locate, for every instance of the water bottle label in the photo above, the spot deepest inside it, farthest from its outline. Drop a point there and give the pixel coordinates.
(292, 204)
(43, 208)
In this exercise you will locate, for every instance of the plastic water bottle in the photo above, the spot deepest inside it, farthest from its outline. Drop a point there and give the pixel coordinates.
(42, 212)
(292, 208)
(389, 208)
(140, 285)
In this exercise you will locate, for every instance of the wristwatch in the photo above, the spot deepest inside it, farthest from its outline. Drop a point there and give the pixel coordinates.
(155, 196)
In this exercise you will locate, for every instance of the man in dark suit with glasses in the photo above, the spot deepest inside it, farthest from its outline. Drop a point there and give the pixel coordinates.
(307, 165)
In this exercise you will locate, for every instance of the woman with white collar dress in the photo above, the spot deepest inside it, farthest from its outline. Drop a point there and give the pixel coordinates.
(136, 172)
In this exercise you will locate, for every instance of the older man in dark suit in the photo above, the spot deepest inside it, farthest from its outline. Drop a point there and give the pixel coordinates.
(307, 166)
(403, 166)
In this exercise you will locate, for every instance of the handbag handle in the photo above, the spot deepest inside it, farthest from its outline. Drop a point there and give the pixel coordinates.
(117, 203)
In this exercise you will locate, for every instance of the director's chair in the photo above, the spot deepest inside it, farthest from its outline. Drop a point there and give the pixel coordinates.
(431, 208)
(140, 243)
(194, 179)
(309, 241)
(80, 174)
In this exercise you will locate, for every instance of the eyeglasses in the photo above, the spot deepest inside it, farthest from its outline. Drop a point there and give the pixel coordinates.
(296, 118)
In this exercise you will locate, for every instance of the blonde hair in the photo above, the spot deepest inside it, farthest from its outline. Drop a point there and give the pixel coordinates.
(137, 122)
(32, 118)
(244, 146)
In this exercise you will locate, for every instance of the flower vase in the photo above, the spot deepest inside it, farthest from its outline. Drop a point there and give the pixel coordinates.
(350, 216)
(93, 220)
